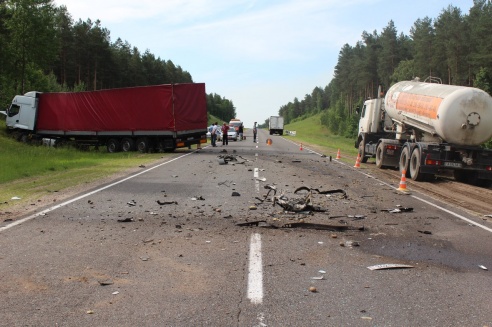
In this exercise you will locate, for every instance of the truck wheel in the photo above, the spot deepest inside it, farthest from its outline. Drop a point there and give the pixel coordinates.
(362, 151)
(380, 155)
(143, 145)
(414, 167)
(113, 145)
(404, 160)
(127, 144)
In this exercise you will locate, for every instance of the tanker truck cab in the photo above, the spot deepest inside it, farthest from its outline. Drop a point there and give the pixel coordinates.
(375, 134)
(21, 115)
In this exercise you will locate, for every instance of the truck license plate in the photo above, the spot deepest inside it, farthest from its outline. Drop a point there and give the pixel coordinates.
(390, 152)
(453, 164)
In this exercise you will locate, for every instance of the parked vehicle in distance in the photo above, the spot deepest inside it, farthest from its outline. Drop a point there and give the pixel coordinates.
(276, 125)
(235, 123)
(232, 134)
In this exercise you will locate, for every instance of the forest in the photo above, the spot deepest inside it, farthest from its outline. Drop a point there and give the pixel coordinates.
(43, 49)
(455, 47)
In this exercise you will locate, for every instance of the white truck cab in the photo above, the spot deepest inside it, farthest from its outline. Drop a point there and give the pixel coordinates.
(22, 112)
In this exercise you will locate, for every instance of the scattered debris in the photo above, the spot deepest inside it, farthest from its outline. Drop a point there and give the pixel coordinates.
(89, 312)
(253, 207)
(312, 289)
(115, 293)
(425, 232)
(318, 278)
(321, 227)
(141, 166)
(389, 266)
(15, 198)
(483, 267)
(144, 258)
(200, 198)
(125, 220)
(252, 223)
(235, 194)
(132, 203)
(350, 244)
(162, 203)
(489, 216)
(262, 179)
(296, 160)
(105, 282)
(398, 210)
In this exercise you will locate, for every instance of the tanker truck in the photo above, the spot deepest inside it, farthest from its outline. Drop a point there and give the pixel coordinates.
(427, 128)
(158, 117)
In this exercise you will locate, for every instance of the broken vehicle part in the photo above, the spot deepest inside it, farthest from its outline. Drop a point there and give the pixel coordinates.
(321, 227)
(389, 266)
(162, 203)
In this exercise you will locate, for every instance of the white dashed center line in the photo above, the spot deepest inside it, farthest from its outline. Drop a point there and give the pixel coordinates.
(255, 275)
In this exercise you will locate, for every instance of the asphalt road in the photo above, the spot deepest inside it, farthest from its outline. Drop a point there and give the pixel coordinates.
(164, 248)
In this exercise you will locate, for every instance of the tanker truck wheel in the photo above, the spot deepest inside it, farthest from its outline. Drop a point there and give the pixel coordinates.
(379, 155)
(404, 160)
(113, 145)
(414, 167)
(362, 151)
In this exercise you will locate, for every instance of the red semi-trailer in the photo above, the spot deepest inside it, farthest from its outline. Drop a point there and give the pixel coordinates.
(160, 117)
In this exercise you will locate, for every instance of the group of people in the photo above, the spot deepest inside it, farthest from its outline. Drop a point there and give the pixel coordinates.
(214, 128)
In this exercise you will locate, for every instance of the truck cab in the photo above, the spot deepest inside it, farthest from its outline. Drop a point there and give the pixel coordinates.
(22, 112)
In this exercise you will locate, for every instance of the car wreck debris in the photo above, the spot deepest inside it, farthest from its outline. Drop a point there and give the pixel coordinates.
(125, 220)
(226, 158)
(389, 266)
(398, 210)
(322, 227)
(162, 203)
(304, 203)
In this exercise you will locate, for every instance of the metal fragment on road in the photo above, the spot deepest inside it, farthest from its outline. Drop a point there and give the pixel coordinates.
(322, 227)
(166, 202)
(105, 282)
(483, 267)
(125, 220)
(318, 278)
(398, 210)
(389, 266)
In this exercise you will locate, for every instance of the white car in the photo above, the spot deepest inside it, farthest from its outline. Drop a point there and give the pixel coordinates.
(232, 134)
(219, 135)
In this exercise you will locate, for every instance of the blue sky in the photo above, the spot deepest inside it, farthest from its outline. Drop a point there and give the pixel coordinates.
(259, 54)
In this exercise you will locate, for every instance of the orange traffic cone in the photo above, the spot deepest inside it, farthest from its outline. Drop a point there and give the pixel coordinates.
(357, 161)
(300, 147)
(338, 155)
(403, 181)
(269, 141)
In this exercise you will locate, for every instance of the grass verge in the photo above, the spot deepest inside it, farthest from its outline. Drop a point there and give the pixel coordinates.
(310, 132)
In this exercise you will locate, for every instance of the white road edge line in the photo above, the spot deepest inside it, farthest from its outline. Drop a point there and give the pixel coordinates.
(255, 271)
(413, 196)
(44, 212)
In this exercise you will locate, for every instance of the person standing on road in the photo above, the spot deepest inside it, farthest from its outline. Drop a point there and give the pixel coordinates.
(225, 137)
(213, 134)
(254, 132)
(240, 132)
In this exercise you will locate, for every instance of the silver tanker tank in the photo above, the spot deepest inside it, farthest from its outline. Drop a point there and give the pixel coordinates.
(457, 114)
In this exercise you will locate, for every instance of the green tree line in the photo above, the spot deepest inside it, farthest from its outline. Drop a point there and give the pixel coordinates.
(454, 47)
(43, 49)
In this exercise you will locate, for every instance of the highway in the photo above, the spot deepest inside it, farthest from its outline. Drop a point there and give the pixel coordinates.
(214, 238)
